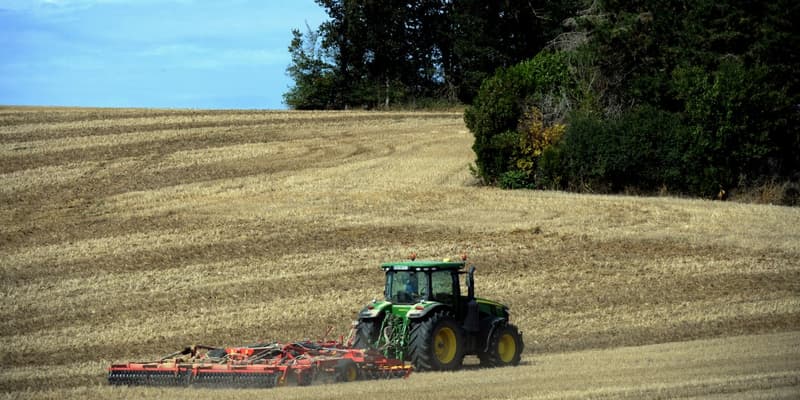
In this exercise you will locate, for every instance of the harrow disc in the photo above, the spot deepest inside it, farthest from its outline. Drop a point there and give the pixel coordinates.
(132, 376)
(236, 380)
(148, 378)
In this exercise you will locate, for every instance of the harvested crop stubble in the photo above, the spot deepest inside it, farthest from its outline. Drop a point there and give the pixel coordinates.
(125, 234)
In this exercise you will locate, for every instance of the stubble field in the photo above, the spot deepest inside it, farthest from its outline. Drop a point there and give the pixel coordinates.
(126, 234)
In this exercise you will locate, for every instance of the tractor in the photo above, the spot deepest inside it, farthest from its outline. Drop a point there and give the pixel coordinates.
(426, 319)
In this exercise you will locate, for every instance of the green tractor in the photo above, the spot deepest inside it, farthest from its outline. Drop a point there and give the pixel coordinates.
(427, 320)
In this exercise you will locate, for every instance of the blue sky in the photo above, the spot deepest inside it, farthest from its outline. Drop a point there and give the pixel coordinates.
(149, 53)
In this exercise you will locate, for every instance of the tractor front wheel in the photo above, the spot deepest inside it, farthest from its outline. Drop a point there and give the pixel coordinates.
(436, 343)
(505, 347)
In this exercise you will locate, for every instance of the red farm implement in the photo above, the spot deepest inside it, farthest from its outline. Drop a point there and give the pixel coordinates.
(260, 366)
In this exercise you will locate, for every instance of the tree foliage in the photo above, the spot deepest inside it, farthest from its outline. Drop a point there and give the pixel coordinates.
(495, 116)
(312, 73)
(691, 96)
(382, 53)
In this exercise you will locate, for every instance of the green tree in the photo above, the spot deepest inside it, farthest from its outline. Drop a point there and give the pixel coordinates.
(387, 52)
(491, 34)
(313, 75)
(496, 117)
(732, 114)
(687, 95)
(721, 66)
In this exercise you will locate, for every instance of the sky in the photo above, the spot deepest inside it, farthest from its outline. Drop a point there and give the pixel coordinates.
(201, 54)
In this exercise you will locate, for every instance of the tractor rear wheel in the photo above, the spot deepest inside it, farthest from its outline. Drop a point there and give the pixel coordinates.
(505, 347)
(436, 343)
(366, 333)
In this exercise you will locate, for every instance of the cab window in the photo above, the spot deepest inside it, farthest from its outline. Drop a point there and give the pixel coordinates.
(442, 286)
(405, 287)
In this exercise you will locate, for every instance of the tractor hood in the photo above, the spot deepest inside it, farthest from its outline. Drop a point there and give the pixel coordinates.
(492, 307)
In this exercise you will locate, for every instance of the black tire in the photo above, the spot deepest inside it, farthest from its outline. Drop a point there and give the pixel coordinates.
(346, 370)
(366, 333)
(436, 343)
(505, 348)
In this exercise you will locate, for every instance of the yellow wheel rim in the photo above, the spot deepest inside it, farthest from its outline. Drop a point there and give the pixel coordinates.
(444, 345)
(507, 348)
(352, 373)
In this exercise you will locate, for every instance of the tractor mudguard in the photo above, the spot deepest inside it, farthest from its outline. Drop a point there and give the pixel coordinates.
(488, 327)
(374, 309)
(422, 310)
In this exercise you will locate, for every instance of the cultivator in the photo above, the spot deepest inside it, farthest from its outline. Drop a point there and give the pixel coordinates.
(260, 366)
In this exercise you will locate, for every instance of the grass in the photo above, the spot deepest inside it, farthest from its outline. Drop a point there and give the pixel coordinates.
(128, 233)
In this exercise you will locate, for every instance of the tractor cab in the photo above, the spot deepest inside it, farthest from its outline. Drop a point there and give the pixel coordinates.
(417, 281)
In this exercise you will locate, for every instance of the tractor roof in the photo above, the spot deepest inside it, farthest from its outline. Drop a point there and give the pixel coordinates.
(424, 264)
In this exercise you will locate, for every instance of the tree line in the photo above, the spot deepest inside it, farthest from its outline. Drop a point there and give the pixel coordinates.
(387, 53)
(694, 97)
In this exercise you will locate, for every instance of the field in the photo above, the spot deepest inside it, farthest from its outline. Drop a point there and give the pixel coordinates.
(126, 234)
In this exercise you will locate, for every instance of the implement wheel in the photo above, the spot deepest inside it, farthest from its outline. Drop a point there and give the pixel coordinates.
(436, 343)
(346, 370)
(505, 347)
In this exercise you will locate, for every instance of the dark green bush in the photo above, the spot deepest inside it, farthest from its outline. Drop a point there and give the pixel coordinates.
(514, 179)
(733, 116)
(495, 113)
(551, 172)
(642, 149)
